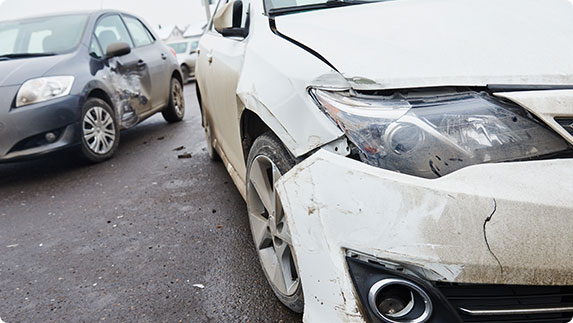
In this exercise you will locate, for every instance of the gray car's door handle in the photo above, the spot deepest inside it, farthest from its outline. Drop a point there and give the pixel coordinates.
(163, 56)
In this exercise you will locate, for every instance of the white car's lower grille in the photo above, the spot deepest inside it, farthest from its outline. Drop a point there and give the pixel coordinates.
(510, 303)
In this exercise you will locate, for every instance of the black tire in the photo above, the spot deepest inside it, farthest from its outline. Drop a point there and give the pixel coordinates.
(175, 110)
(270, 146)
(186, 72)
(213, 155)
(89, 149)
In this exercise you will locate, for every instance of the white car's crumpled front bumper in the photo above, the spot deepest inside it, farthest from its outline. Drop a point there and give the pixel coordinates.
(507, 223)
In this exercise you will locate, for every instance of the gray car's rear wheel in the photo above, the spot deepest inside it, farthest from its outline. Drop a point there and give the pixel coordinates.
(175, 111)
(267, 161)
(99, 131)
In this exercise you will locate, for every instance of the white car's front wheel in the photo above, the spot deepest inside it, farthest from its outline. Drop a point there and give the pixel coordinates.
(267, 161)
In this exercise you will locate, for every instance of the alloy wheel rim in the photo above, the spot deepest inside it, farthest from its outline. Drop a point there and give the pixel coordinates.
(269, 227)
(178, 100)
(98, 129)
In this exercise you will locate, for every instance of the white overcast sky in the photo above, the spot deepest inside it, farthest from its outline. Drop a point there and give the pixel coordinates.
(155, 12)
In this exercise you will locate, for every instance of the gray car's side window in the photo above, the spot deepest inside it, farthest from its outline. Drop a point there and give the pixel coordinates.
(110, 29)
(138, 31)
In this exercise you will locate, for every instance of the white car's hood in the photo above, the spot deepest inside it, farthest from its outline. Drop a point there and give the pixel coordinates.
(421, 43)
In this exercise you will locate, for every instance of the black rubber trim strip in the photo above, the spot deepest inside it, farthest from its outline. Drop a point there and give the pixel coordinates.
(526, 87)
(301, 45)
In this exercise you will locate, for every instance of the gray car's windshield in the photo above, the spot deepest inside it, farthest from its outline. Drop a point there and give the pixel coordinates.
(278, 7)
(41, 36)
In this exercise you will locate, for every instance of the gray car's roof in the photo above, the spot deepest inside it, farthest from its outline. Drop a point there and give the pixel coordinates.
(90, 13)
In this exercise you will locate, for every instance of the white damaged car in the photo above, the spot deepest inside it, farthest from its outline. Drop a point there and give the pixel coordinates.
(402, 161)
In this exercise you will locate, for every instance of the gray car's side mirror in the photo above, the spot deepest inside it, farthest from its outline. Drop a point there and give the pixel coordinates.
(117, 49)
(228, 20)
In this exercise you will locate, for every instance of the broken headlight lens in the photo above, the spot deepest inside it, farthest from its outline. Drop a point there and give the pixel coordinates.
(432, 136)
(44, 89)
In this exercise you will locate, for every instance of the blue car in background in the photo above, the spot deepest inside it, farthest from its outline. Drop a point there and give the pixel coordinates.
(77, 79)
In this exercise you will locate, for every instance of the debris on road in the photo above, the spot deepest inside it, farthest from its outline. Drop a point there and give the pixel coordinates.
(219, 226)
(179, 148)
(184, 156)
(201, 286)
(12, 246)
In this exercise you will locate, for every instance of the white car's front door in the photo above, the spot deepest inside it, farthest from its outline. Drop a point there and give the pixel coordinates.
(224, 57)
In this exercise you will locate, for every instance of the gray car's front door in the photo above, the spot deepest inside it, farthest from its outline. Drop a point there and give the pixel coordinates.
(128, 74)
(154, 56)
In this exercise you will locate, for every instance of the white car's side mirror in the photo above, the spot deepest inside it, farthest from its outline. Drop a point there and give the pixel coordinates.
(228, 20)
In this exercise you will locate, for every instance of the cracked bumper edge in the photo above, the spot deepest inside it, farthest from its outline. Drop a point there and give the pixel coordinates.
(335, 203)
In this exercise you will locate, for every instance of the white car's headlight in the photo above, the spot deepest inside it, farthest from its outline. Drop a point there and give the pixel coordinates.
(44, 89)
(433, 135)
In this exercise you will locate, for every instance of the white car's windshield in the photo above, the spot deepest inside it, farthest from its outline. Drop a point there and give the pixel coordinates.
(179, 48)
(41, 36)
(277, 7)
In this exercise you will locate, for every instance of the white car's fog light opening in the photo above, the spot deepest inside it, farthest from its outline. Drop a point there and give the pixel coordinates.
(399, 301)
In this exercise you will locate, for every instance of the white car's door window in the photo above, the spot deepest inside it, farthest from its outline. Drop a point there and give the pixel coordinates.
(244, 19)
(278, 7)
(220, 5)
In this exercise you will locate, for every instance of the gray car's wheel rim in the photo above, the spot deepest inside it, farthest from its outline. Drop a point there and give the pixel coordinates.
(269, 227)
(98, 129)
(177, 97)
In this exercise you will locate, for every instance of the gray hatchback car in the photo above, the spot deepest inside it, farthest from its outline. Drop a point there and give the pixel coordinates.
(77, 79)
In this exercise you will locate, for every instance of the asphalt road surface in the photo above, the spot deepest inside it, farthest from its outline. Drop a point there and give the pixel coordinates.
(144, 237)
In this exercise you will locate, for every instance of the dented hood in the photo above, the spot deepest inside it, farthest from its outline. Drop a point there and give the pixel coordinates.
(420, 43)
(17, 71)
